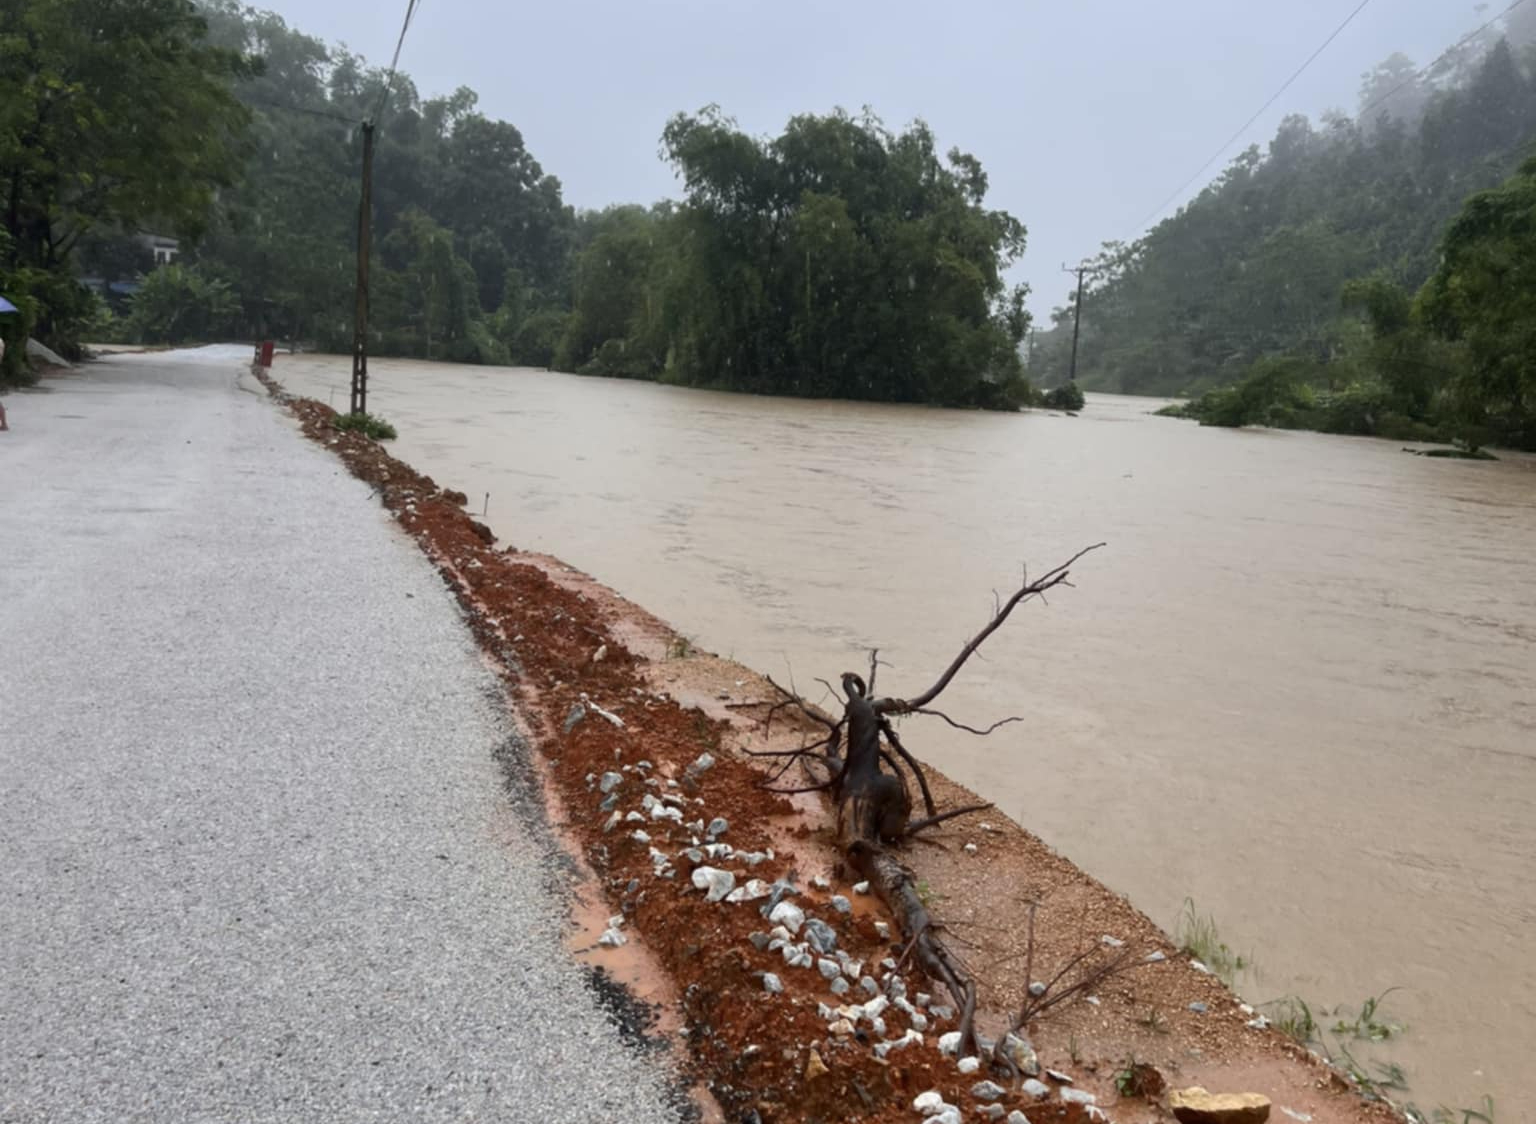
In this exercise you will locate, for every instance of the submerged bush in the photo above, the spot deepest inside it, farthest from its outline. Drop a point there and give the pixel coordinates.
(1068, 396)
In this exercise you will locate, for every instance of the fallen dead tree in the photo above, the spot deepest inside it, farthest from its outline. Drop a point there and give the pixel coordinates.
(864, 767)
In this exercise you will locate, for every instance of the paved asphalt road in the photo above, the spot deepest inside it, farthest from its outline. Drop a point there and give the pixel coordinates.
(258, 861)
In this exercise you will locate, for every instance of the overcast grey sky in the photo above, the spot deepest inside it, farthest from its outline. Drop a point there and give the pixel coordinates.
(1086, 114)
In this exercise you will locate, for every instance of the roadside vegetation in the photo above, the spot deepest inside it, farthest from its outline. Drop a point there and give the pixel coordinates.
(369, 425)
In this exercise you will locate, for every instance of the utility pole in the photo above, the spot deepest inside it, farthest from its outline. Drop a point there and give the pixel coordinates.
(1077, 313)
(360, 314)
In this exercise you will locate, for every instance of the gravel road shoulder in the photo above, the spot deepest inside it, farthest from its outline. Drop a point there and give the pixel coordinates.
(259, 860)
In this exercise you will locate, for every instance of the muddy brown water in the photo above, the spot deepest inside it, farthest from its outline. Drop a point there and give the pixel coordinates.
(1297, 686)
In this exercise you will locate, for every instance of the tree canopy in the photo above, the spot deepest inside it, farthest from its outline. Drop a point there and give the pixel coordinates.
(114, 114)
(838, 259)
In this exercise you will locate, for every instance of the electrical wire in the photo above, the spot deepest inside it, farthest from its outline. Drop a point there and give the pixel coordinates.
(1161, 207)
(327, 114)
(410, 10)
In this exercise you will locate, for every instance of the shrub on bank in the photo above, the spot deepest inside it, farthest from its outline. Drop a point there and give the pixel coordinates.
(369, 425)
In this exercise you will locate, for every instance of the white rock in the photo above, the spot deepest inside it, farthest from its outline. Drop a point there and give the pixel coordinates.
(949, 1044)
(928, 1103)
(1078, 1096)
(842, 1028)
(789, 915)
(841, 904)
(969, 1066)
(772, 984)
(616, 921)
(969, 848)
(883, 930)
(861, 887)
(1155, 957)
(640, 836)
(1016, 1117)
(830, 969)
(715, 882)
(754, 889)
(875, 1007)
(1036, 1089)
(821, 883)
(609, 782)
(987, 1091)
(612, 938)
(1111, 942)
(919, 1021)
(949, 1114)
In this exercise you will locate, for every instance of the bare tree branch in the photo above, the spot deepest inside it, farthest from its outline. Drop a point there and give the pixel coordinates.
(919, 825)
(962, 725)
(1032, 589)
(917, 770)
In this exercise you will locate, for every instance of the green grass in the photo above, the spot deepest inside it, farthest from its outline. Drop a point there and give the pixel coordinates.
(679, 648)
(1198, 936)
(1369, 1024)
(369, 425)
(1293, 1018)
(1481, 1115)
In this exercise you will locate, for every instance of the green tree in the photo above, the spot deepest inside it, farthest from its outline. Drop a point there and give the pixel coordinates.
(177, 304)
(1484, 294)
(113, 113)
(837, 259)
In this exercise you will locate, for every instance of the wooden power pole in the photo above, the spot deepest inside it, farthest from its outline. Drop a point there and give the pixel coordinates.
(360, 314)
(1077, 315)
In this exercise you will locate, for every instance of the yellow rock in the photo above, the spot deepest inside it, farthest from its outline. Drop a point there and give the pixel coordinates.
(1196, 1106)
(815, 1067)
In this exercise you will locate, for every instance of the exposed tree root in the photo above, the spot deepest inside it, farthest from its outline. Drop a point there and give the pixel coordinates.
(874, 806)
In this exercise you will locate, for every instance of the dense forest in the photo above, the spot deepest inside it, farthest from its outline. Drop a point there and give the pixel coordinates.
(1314, 284)
(837, 259)
(1324, 282)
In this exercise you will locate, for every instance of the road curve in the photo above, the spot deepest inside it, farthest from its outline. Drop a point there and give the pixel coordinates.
(260, 862)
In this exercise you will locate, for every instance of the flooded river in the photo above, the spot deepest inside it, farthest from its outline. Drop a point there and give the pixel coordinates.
(1298, 685)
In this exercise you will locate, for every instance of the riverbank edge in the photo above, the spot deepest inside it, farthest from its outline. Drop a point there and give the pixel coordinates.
(605, 733)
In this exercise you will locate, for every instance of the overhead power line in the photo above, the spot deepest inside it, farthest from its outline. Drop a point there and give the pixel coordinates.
(326, 113)
(1364, 114)
(394, 63)
(1226, 144)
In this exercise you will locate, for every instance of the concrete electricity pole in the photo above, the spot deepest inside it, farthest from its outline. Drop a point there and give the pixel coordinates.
(360, 315)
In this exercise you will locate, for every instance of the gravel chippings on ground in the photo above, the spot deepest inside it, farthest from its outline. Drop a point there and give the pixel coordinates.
(258, 863)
